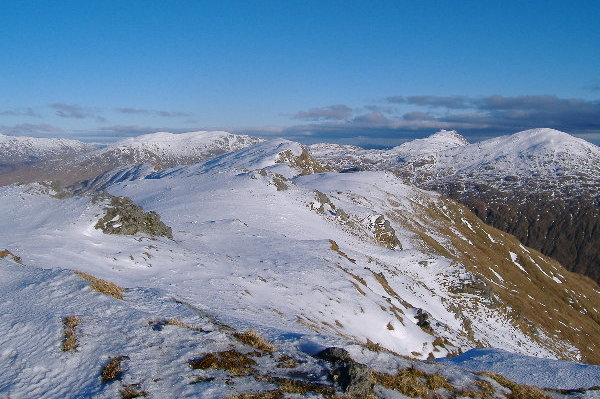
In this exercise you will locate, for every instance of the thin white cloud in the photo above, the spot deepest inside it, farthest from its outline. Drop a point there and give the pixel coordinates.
(336, 112)
(76, 111)
(153, 112)
(20, 112)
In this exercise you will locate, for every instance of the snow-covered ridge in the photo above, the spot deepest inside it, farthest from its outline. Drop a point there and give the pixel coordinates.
(260, 243)
(20, 149)
(168, 149)
(161, 150)
(184, 143)
(546, 151)
(440, 141)
(545, 154)
(280, 157)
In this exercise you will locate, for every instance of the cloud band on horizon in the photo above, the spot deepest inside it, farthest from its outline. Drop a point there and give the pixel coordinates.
(391, 121)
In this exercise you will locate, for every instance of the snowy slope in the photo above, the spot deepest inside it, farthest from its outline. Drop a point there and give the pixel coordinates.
(157, 149)
(17, 149)
(309, 260)
(541, 185)
(546, 154)
(547, 373)
(167, 149)
(547, 158)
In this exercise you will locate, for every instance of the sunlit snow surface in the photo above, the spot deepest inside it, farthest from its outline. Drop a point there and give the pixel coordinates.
(547, 373)
(244, 254)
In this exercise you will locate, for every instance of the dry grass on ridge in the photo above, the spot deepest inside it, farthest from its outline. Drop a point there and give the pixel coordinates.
(70, 341)
(102, 286)
(253, 339)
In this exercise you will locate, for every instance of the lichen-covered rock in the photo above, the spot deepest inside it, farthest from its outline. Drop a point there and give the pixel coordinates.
(385, 233)
(278, 180)
(323, 205)
(354, 378)
(304, 162)
(423, 319)
(124, 217)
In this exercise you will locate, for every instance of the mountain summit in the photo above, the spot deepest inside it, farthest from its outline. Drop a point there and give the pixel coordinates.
(440, 141)
(540, 185)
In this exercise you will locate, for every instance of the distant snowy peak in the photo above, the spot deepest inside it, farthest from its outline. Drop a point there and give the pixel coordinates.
(186, 142)
(169, 149)
(538, 142)
(440, 141)
(161, 150)
(550, 158)
(547, 152)
(287, 158)
(14, 149)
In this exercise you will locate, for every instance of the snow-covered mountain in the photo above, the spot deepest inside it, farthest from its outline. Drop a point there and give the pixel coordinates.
(160, 150)
(21, 149)
(255, 240)
(541, 185)
(552, 159)
(18, 153)
(164, 150)
(541, 155)
(341, 157)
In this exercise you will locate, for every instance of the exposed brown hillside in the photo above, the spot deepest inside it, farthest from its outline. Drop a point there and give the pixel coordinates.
(541, 296)
(567, 230)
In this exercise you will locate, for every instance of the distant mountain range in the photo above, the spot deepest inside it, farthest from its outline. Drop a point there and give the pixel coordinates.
(541, 185)
(68, 161)
(231, 275)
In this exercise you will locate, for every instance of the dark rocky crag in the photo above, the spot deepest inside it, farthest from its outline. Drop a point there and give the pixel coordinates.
(124, 217)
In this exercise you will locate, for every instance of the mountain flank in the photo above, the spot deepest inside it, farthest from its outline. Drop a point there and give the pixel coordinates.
(541, 185)
(71, 161)
(259, 273)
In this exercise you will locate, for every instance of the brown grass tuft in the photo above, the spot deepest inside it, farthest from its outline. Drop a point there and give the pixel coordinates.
(131, 391)
(157, 324)
(113, 370)
(286, 362)
(517, 391)
(372, 346)
(70, 342)
(485, 388)
(253, 338)
(275, 394)
(335, 247)
(6, 253)
(410, 382)
(414, 383)
(234, 362)
(354, 276)
(436, 381)
(288, 385)
(358, 288)
(102, 286)
(384, 283)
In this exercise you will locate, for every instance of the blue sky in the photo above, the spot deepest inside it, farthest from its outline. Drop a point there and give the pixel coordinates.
(372, 73)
